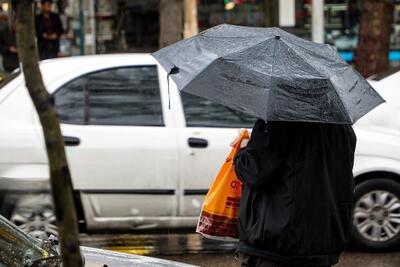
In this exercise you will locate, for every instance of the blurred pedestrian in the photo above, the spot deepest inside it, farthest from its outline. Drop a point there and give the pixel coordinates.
(8, 48)
(297, 195)
(48, 29)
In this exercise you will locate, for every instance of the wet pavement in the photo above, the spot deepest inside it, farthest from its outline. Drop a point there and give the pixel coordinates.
(349, 259)
(193, 249)
(158, 244)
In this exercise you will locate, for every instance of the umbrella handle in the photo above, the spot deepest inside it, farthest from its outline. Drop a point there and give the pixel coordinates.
(169, 95)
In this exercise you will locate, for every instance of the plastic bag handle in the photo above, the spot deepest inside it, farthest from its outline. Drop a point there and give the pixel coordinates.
(243, 134)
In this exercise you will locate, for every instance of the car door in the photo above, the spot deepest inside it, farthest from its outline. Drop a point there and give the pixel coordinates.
(204, 145)
(122, 155)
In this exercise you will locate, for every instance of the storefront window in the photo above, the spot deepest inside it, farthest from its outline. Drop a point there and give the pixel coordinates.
(258, 13)
(303, 19)
(248, 13)
(70, 42)
(342, 20)
(126, 26)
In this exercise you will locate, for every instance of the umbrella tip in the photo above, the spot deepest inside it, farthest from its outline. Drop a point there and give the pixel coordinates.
(174, 70)
(277, 37)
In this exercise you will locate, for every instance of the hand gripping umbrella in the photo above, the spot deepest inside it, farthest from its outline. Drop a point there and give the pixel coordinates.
(270, 74)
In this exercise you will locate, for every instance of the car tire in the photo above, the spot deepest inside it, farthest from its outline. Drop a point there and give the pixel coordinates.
(376, 215)
(7, 204)
(34, 214)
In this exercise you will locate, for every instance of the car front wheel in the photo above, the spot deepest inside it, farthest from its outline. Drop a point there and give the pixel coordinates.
(376, 214)
(35, 216)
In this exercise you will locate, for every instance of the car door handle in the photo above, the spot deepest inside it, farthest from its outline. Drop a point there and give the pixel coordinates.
(197, 142)
(71, 141)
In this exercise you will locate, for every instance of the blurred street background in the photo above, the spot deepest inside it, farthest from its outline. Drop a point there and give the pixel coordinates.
(113, 26)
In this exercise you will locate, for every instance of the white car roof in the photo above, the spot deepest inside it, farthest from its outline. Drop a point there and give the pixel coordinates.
(65, 65)
(65, 69)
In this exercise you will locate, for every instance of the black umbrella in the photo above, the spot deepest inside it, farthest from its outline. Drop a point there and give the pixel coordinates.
(270, 74)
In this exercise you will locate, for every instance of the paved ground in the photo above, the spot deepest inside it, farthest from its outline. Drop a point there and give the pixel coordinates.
(193, 249)
(349, 259)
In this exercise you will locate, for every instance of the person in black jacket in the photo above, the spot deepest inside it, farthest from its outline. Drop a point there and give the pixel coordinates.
(48, 30)
(297, 198)
(8, 48)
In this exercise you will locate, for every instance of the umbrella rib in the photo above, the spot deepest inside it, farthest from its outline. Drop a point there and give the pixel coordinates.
(219, 58)
(265, 39)
(337, 56)
(217, 101)
(271, 75)
(304, 59)
(343, 104)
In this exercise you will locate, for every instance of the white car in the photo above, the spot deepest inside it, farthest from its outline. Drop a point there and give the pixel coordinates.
(388, 86)
(138, 164)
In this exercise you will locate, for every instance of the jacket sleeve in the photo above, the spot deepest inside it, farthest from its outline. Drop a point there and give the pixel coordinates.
(261, 161)
(39, 27)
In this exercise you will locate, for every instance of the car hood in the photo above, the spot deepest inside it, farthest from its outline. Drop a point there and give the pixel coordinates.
(98, 257)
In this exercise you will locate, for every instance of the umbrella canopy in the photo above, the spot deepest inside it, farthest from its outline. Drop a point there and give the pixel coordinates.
(270, 74)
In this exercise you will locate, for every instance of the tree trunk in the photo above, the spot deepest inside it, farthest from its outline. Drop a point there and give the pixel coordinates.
(372, 51)
(190, 14)
(60, 178)
(171, 22)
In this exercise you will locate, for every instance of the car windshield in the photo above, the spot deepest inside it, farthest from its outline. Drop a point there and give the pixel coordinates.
(55, 261)
(7, 79)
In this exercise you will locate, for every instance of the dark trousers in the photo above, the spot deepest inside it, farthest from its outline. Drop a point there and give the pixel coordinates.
(247, 260)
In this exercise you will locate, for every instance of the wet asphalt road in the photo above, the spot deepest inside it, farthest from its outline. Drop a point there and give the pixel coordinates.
(193, 249)
(349, 259)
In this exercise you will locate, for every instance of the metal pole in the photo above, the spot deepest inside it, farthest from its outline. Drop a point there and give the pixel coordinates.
(82, 28)
(317, 24)
(92, 16)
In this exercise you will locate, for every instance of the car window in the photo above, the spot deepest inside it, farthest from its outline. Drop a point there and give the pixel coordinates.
(70, 102)
(200, 112)
(119, 96)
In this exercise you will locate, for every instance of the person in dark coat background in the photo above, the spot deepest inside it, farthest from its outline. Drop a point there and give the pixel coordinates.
(48, 30)
(296, 205)
(8, 48)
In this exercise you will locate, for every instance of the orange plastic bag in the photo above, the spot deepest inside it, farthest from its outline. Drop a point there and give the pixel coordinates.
(220, 211)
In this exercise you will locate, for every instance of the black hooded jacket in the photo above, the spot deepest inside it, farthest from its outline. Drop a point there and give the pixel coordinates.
(298, 189)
